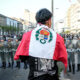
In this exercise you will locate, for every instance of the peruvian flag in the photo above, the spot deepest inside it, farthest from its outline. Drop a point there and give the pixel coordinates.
(42, 42)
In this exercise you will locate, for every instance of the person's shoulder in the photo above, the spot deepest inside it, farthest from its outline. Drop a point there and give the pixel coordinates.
(59, 37)
(27, 33)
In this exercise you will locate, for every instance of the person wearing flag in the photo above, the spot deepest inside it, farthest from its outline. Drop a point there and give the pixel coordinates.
(42, 48)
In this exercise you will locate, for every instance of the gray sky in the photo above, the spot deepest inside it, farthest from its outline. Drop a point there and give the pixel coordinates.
(15, 8)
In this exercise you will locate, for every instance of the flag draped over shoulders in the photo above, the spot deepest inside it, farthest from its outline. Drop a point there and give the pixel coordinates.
(60, 53)
(42, 42)
(23, 48)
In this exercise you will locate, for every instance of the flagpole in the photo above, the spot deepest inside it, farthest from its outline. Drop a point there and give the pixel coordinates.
(52, 7)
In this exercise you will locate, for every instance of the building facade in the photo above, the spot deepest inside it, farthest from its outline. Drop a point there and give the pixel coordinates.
(73, 17)
(6, 22)
(2, 20)
(59, 26)
(29, 17)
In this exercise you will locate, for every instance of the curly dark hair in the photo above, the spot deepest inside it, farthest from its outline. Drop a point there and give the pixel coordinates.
(43, 15)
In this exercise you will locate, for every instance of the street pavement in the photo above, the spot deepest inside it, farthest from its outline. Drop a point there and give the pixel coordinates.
(13, 74)
(70, 76)
(75, 76)
(21, 74)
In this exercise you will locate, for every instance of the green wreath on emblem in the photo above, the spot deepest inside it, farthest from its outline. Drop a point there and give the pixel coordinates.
(51, 36)
(43, 41)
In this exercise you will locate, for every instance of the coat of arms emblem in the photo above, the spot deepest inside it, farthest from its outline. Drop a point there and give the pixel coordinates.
(43, 35)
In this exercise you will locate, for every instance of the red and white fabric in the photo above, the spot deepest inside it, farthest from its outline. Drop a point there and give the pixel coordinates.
(55, 49)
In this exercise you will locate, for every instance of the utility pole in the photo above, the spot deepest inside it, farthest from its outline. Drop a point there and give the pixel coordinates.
(52, 7)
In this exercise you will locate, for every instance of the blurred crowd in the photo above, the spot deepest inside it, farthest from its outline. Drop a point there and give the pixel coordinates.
(8, 46)
(72, 42)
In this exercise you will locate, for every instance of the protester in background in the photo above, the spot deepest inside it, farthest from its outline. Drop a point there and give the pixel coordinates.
(2, 53)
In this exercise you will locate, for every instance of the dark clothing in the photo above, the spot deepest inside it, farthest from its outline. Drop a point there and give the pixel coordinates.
(45, 77)
(34, 65)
